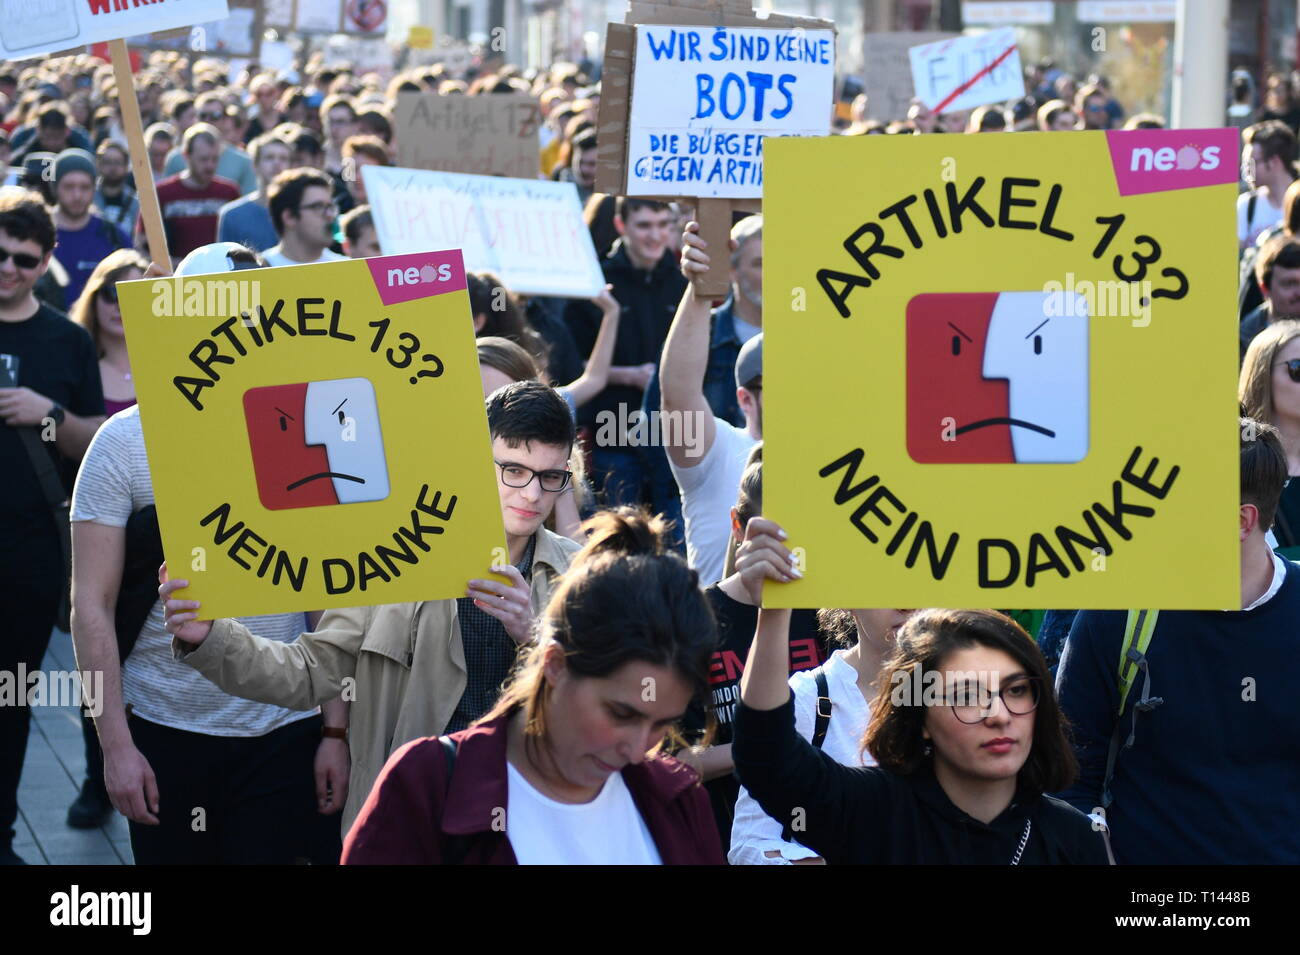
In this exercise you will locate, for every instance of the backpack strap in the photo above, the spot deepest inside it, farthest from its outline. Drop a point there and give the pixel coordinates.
(454, 847)
(823, 712)
(1138, 630)
(1250, 210)
(821, 723)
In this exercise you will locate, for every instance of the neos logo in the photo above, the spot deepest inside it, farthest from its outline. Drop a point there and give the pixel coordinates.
(316, 443)
(997, 377)
(1166, 158)
(420, 276)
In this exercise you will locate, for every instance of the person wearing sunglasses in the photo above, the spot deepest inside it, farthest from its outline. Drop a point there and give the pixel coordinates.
(964, 728)
(49, 389)
(418, 669)
(1269, 391)
(303, 214)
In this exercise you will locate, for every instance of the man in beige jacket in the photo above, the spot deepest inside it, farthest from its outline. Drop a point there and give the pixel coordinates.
(414, 669)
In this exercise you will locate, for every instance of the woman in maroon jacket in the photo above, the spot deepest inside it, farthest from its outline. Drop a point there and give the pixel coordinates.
(565, 768)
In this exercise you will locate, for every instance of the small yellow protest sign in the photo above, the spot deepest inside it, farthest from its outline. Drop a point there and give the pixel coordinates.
(1001, 370)
(316, 434)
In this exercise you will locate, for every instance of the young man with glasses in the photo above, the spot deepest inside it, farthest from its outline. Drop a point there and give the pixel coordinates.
(50, 406)
(1198, 767)
(303, 215)
(417, 669)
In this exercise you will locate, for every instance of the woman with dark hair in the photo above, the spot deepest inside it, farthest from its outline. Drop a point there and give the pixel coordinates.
(98, 312)
(566, 769)
(965, 730)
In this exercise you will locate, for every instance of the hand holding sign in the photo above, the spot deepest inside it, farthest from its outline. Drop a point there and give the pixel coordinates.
(508, 603)
(762, 555)
(180, 617)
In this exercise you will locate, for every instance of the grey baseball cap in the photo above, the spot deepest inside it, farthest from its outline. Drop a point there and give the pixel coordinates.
(749, 363)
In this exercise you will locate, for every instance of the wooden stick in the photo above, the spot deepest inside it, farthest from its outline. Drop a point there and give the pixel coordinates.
(130, 107)
(714, 217)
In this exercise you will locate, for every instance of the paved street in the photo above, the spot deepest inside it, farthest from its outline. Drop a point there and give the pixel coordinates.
(51, 780)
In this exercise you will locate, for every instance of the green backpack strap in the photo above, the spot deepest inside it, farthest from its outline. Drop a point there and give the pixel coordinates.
(1139, 627)
(1138, 630)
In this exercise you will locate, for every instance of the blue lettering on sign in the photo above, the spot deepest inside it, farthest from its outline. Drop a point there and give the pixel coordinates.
(678, 46)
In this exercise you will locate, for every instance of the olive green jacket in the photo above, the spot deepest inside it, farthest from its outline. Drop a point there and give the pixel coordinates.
(401, 666)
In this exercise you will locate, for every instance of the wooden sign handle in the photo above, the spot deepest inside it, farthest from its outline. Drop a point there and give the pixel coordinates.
(130, 107)
(714, 217)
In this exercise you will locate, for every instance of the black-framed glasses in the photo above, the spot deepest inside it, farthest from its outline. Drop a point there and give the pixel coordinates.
(517, 475)
(108, 293)
(24, 260)
(325, 208)
(974, 704)
(1292, 367)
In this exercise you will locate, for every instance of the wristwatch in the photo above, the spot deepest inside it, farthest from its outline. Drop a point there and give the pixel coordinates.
(57, 413)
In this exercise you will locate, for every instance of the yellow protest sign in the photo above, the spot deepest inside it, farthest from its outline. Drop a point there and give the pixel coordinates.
(1001, 370)
(316, 434)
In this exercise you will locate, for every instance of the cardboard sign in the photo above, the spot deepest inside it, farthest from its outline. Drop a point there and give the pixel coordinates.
(968, 72)
(980, 395)
(887, 71)
(705, 98)
(31, 28)
(529, 233)
(482, 135)
(316, 433)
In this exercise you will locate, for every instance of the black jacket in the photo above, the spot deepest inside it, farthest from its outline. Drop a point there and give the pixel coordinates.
(648, 300)
(866, 815)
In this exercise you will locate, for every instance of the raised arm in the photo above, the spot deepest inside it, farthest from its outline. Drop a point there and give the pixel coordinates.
(686, 359)
(596, 375)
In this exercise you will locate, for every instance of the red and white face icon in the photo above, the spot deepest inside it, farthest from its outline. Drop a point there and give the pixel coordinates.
(316, 443)
(997, 377)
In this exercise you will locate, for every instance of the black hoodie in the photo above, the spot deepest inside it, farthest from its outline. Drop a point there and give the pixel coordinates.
(648, 300)
(867, 815)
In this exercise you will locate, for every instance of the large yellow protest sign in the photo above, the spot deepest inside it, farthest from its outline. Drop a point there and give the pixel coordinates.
(1000, 370)
(316, 434)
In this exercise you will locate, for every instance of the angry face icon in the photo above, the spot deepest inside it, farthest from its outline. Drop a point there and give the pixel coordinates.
(997, 377)
(316, 443)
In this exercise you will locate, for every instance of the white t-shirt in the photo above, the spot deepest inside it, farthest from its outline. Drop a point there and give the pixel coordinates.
(1266, 216)
(754, 832)
(708, 494)
(608, 830)
(275, 257)
(114, 482)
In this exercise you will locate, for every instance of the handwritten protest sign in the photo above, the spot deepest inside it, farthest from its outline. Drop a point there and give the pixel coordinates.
(972, 402)
(714, 212)
(481, 135)
(319, 406)
(529, 233)
(704, 99)
(968, 71)
(31, 28)
(887, 71)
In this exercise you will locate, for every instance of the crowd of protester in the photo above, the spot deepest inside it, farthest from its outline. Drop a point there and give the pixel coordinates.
(513, 724)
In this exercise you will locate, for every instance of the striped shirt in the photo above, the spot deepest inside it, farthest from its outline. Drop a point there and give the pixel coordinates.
(114, 483)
